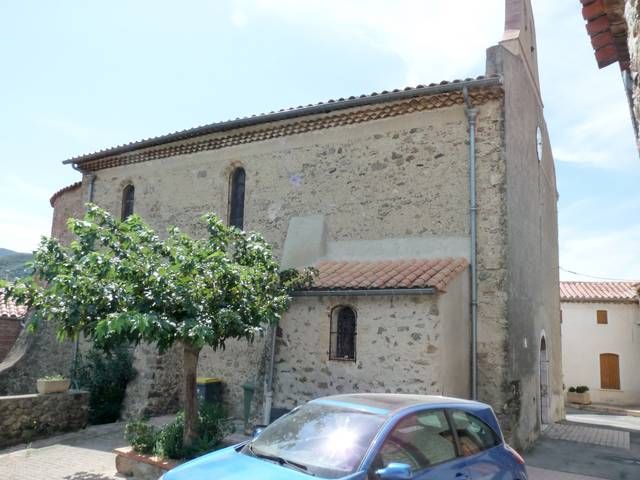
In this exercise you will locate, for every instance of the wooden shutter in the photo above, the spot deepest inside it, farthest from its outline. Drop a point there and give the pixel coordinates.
(610, 371)
(602, 317)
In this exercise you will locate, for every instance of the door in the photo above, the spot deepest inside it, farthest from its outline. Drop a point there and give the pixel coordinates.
(425, 442)
(609, 371)
(544, 382)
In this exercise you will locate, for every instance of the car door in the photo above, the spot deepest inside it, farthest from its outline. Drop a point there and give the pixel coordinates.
(424, 441)
(480, 446)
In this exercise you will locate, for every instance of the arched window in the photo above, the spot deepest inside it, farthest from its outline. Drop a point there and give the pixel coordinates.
(343, 334)
(236, 198)
(127, 201)
(609, 371)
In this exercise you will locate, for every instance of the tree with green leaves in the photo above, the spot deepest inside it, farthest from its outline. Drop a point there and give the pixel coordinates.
(118, 283)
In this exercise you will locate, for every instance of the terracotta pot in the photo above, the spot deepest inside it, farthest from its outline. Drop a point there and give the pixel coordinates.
(579, 398)
(52, 386)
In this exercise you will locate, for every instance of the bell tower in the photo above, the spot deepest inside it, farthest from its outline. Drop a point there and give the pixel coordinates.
(520, 36)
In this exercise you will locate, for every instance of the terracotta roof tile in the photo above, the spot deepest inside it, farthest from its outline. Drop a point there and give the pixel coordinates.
(598, 291)
(416, 273)
(10, 309)
(331, 104)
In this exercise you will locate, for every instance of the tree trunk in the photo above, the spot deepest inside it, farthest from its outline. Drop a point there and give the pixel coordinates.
(190, 367)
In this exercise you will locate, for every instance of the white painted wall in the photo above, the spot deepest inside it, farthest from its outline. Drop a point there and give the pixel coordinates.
(583, 340)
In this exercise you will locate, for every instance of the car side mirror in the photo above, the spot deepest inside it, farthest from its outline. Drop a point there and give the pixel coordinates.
(395, 471)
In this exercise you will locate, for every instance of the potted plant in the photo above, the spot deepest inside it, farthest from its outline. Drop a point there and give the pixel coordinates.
(579, 395)
(52, 384)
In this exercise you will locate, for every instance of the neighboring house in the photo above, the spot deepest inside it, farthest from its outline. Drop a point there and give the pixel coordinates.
(412, 250)
(601, 339)
(613, 28)
(11, 320)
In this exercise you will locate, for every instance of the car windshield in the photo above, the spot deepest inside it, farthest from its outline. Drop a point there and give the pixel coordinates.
(324, 440)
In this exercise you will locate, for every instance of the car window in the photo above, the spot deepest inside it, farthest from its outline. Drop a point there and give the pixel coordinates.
(473, 434)
(420, 440)
(329, 441)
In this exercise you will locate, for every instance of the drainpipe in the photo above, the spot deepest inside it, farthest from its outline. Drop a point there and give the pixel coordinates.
(473, 213)
(268, 378)
(76, 344)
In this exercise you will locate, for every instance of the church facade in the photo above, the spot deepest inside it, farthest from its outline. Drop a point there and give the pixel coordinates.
(430, 213)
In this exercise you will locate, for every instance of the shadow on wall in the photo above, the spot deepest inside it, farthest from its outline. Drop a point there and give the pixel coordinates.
(32, 356)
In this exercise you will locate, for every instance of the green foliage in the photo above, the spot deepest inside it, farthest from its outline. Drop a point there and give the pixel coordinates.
(105, 375)
(572, 389)
(118, 282)
(167, 442)
(141, 436)
(52, 377)
(582, 389)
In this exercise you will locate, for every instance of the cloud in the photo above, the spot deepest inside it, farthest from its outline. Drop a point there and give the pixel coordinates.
(432, 39)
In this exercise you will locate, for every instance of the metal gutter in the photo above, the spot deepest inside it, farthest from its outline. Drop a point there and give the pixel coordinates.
(326, 107)
(365, 292)
(473, 261)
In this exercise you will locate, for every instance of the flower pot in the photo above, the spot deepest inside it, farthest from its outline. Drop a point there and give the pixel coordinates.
(52, 386)
(579, 398)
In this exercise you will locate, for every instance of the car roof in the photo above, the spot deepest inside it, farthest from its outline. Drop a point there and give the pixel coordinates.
(390, 403)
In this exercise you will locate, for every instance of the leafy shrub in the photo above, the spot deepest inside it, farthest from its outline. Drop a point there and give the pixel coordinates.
(52, 377)
(141, 436)
(105, 376)
(169, 441)
(213, 426)
(572, 389)
(582, 389)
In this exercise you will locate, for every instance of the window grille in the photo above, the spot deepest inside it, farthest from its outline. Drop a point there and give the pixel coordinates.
(343, 334)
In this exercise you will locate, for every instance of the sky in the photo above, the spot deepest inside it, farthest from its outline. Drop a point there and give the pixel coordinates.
(78, 77)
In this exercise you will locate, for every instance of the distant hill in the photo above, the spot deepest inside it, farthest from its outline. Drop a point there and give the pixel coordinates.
(12, 264)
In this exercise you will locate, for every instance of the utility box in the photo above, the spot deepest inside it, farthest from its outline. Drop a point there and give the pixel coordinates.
(209, 390)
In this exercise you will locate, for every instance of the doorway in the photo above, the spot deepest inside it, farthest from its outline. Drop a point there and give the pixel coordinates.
(544, 382)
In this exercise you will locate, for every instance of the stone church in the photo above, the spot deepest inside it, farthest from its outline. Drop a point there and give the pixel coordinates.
(430, 213)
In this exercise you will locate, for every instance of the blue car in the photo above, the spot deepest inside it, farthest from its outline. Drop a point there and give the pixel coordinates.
(369, 437)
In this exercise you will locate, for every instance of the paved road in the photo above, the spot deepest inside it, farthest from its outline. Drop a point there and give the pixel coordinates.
(580, 456)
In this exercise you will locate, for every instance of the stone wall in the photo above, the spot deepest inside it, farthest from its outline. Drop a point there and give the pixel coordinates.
(34, 355)
(24, 418)
(10, 328)
(404, 177)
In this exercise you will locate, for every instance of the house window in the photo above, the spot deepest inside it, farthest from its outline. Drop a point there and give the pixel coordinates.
(601, 316)
(127, 201)
(343, 334)
(236, 198)
(609, 371)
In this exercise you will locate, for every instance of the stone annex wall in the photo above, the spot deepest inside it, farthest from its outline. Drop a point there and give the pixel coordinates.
(24, 418)
(401, 177)
(404, 344)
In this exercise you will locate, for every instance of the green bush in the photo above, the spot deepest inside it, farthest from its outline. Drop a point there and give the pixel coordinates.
(213, 426)
(141, 436)
(572, 389)
(105, 376)
(582, 389)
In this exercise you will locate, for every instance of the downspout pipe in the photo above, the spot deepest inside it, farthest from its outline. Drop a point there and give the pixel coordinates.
(268, 379)
(76, 344)
(472, 114)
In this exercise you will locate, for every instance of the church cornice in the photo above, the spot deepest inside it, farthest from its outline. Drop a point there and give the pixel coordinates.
(334, 113)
